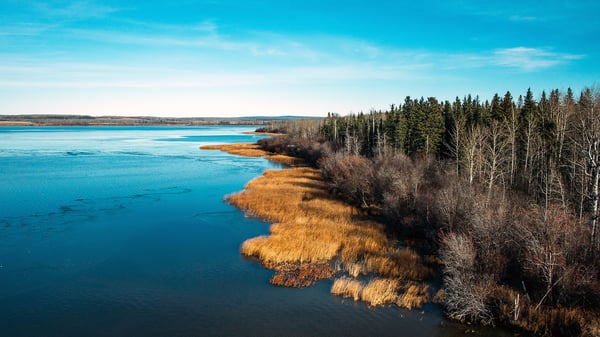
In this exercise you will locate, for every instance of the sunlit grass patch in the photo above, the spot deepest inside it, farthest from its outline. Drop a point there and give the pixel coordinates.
(347, 287)
(272, 134)
(283, 159)
(253, 150)
(404, 264)
(381, 291)
(241, 149)
(292, 244)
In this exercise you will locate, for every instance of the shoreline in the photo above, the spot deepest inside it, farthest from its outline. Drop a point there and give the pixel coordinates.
(254, 150)
(315, 236)
(16, 123)
(304, 247)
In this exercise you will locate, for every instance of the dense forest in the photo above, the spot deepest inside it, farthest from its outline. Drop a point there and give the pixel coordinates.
(503, 192)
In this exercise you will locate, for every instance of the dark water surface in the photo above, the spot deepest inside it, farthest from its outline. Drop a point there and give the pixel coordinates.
(122, 231)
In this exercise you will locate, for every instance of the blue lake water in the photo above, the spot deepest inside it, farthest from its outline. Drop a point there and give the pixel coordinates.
(122, 231)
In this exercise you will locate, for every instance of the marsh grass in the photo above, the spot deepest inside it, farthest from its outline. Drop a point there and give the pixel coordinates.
(414, 296)
(272, 134)
(543, 320)
(253, 150)
(381, 291)
(241, 149)
(312, 229)
(347, 287)
(308, 228)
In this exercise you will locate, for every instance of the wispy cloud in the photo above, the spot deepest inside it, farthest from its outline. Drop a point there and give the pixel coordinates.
(388, 65)
(523, 18)
(530, 59)
(524, 59)
(204, 35)
(74, 10)
(25, 29)
(107, 76)
(238, 59)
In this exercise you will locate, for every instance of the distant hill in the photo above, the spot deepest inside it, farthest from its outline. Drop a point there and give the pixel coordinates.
(280, 118)
(83, 120)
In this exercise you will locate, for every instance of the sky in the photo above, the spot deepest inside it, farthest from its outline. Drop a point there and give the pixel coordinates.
(210, 58)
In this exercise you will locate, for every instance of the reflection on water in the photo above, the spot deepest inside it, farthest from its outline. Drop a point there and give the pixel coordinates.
(123, 232)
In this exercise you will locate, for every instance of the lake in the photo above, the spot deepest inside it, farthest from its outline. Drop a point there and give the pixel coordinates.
(122, 231)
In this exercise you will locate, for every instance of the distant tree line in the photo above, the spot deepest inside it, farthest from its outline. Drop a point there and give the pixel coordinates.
(504, 192)
(83, 120)
(547, 149)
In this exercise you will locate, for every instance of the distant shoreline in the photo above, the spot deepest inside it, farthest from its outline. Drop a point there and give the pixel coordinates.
(82, 120)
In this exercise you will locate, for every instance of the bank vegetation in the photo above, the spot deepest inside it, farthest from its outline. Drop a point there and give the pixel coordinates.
(503, 193)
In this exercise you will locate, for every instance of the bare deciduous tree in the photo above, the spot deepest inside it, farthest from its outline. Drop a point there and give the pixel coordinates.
(587, 142)
(466, 290)
(494, 155)
(472, 156)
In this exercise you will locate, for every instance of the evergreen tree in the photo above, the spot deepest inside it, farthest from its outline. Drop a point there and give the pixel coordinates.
(527, 124)
(496, 111)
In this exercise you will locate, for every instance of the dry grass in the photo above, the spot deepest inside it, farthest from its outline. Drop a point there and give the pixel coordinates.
(285, 160)
(354, 269)
(544, 320)
(381, 291)
(240, 149)
(278, 248)
(272, 134)
(309, 228)
(312, 228)
(253, 150)
(440, 296)
(404, 264)
(347, 287)
(415, 296)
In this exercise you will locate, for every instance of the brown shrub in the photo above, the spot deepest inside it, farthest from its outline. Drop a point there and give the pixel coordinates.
(352, 176)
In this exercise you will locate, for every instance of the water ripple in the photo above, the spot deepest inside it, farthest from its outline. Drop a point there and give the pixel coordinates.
(83, 210)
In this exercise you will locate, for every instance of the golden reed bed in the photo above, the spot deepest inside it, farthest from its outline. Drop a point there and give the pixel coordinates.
(316, 236)
(253, 150)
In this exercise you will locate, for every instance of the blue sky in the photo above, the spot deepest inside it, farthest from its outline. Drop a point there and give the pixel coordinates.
(239, 58)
